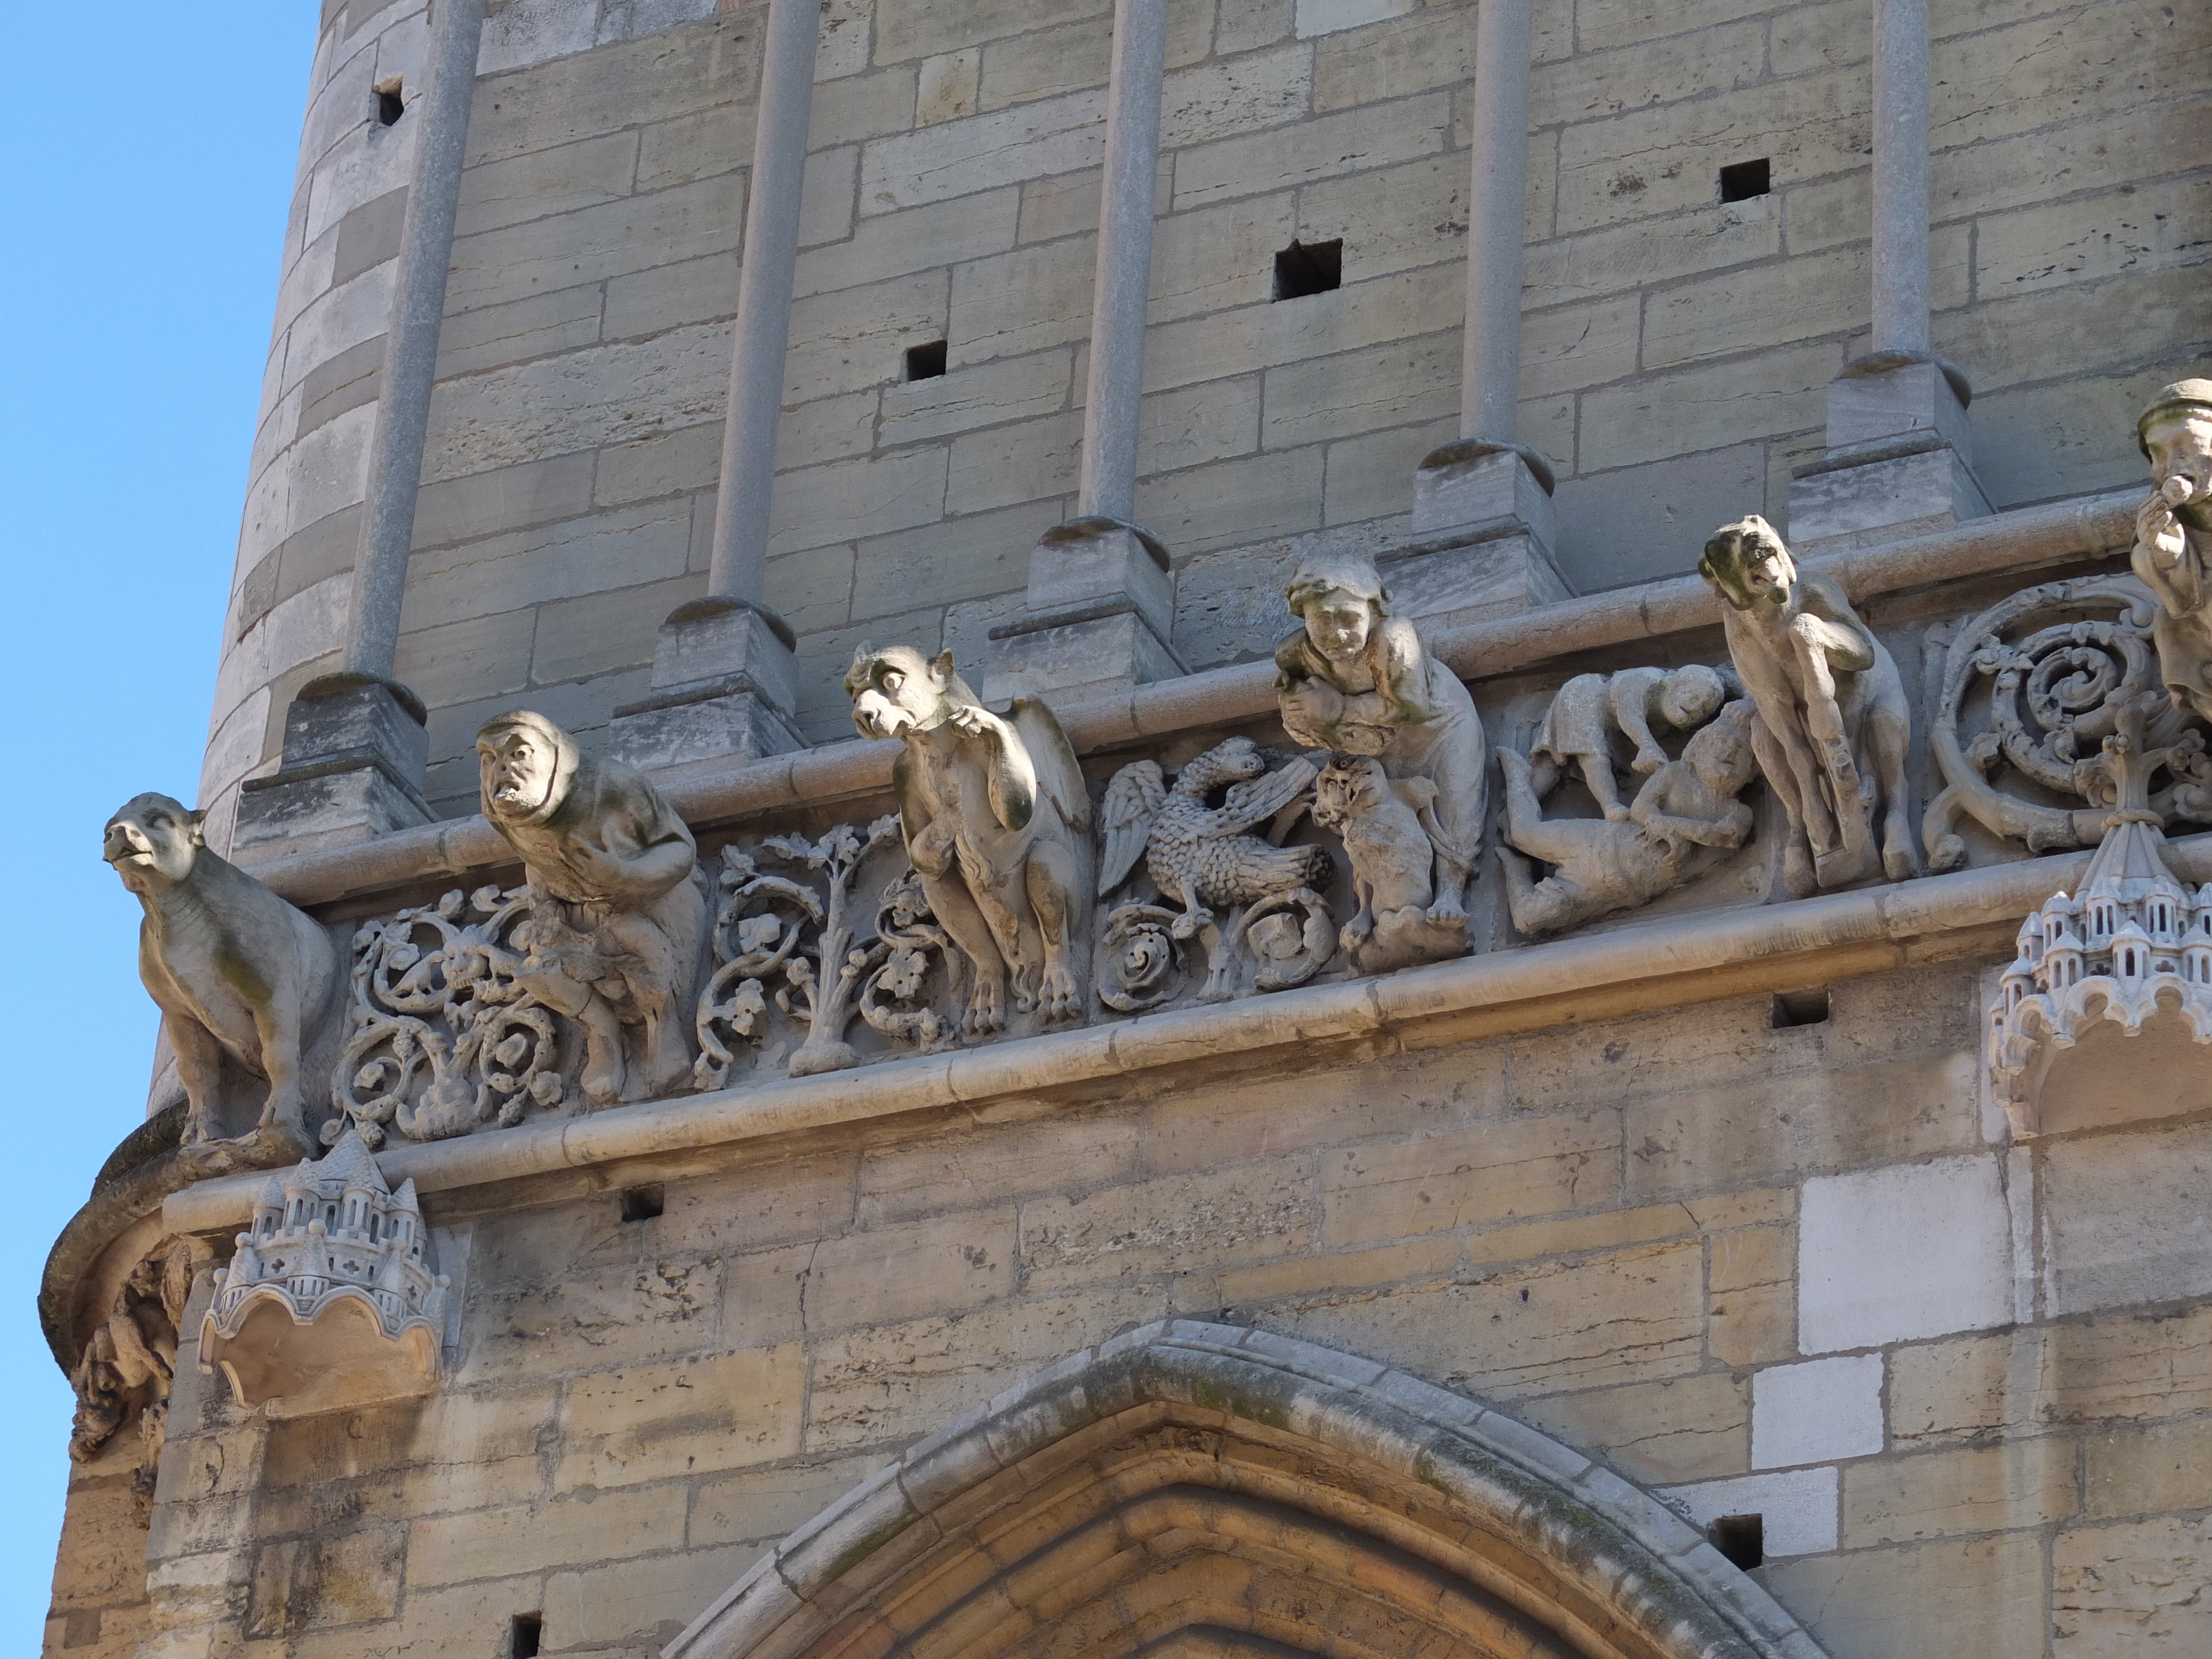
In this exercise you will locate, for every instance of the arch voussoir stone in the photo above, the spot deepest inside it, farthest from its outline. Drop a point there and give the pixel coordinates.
(1068, 1517)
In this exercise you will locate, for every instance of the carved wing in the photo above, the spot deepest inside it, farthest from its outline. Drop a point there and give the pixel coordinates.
(1249, 803)
(1060, 774)
(1132, 806)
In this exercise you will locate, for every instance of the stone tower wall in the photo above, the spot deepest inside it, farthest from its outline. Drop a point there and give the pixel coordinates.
(1675, 359)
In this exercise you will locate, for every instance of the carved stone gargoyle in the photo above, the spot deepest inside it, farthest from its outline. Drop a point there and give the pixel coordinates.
(1833, 724)
(236, 971)
(998, 827)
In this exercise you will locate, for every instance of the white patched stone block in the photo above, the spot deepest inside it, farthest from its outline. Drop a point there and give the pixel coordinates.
(1326, 16)
(1896, 1253)
(1816, 1411)
(1797, 1511)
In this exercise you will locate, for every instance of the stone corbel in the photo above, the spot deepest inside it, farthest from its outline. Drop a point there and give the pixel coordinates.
(331, 1303)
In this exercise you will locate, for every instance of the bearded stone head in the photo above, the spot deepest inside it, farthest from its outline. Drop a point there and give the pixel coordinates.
(1748, 563)
(152, 842)
(524, 764)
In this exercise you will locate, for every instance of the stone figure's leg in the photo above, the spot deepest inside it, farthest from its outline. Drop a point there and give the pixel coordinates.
(602, 1078)
(1888, 737)
(955, 912)
(278, 1027)
(1050, 877)
(1537, 907)
(199, 1068)
(1555, 841)
(658, 984)
(1774, 764)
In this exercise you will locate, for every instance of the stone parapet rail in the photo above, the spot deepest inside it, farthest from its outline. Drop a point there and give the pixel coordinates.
(1652, 965)
(2017, 541)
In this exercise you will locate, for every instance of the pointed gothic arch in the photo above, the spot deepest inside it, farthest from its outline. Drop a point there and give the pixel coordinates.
(1193, 1491)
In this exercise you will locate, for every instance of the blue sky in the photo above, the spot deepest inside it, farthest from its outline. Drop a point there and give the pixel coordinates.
(148, 168)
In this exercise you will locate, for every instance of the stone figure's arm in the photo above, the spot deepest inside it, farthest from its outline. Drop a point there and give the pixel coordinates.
(660, 854)
(1012, 774)
(1829, 626)
(1633, 695)
(1655, 810)
(1401, 663)
(2161, 558)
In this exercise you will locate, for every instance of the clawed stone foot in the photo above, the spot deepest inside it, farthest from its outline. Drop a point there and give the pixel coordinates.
(1186, 927)
(983, 1017)
(1059, 999)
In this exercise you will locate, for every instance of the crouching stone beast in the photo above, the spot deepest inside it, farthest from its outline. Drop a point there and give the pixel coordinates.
(997, 825)
(233, 968)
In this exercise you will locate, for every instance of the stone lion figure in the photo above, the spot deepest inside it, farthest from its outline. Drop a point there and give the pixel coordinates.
(998, 826)
(235, 970)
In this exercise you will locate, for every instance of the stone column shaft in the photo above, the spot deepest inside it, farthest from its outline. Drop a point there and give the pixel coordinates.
(1122, 288)
(411, 344)
(763, 333)
(1101, 603)
(1900, 175)
(1497, 191)
(1482, 506)
(725, 679)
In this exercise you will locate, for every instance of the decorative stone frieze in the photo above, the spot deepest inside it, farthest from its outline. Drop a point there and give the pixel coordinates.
(331, 1302)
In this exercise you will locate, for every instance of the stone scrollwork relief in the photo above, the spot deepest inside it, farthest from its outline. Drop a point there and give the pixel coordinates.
(2032, 689)
(331, 1301)
(1832, 727)
(760, 920)
(1205, 858)
(442, 1036)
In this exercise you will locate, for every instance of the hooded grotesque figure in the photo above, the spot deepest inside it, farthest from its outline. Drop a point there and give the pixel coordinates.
(2173, 537)
(1358, 680)
(619, 917)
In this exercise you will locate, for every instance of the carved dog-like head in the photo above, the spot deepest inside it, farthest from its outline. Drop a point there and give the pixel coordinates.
(1748, 563)
(897, 692)
(152, 842)
(1350, 787)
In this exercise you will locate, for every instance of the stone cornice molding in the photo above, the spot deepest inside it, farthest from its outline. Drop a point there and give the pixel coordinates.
(1661, 963)
(2007, 542)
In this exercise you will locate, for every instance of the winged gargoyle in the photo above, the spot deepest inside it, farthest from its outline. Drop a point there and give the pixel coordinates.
(1200, 855)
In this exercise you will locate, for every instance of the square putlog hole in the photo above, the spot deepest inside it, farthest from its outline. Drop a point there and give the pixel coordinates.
(525, 1633)
(1800, 1008)
(390, 106)
(1741, 1538)
(1746, 179)
(924, 362)
(643, 1203)
(1304, 268)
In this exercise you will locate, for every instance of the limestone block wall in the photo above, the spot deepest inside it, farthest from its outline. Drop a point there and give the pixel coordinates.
(1765, 1268)
(1676, 349)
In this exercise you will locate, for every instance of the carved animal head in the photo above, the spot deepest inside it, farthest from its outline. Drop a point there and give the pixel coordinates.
(152, 840)
(1721, 754)
(1339, 599)
(1691, 697)
(1350, 787)
(1233, 762)
(1748, 563)
(524, 764)
(897, 692)
(2176, 435)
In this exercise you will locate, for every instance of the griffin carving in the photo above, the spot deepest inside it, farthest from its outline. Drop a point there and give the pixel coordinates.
(1200, 855)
